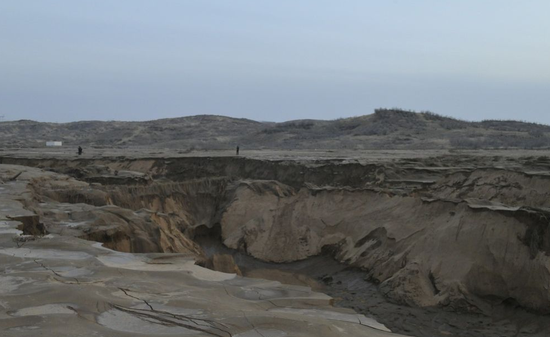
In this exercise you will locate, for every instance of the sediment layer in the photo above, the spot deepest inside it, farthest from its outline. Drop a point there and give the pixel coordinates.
(460, 232)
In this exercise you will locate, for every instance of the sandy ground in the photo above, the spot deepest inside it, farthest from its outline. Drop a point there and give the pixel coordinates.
(316, 154)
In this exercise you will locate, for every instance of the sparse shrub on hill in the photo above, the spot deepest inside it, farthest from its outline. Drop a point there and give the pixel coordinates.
(388, 121)
(383, 113)
(393, 128)
(510, 125)
(347, 124)
(500, 141)
(288, 126)
(448, 123)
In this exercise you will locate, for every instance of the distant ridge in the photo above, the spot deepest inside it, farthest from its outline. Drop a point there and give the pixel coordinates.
(384, 129)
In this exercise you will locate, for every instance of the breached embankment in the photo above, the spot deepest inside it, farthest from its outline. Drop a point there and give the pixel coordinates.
(59, 285)
(457, 234)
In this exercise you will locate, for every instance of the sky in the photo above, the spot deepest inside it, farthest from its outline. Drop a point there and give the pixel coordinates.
(66, 60)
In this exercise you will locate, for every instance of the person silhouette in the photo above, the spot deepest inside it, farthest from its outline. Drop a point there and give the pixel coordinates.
(237, 150)
(79, 150)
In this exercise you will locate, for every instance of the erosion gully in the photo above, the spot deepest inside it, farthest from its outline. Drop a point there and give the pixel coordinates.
(201, 194)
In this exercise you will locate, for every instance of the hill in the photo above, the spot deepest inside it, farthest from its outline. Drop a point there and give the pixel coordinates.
(385, 129)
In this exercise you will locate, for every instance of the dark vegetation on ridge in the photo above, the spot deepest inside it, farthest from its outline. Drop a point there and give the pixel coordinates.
(385, 129)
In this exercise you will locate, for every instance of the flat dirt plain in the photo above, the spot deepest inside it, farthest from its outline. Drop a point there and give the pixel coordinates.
(136, 240)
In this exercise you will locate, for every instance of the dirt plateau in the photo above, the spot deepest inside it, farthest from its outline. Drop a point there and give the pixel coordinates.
(463, 233)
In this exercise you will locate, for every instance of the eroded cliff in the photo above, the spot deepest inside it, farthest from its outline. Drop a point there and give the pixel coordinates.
(464, 233)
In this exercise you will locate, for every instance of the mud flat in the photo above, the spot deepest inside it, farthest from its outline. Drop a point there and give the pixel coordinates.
(351, 289)
(451, 244)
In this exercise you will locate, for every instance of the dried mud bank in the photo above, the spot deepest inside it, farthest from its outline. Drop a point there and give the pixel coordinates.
(461, 233)
(349, 288)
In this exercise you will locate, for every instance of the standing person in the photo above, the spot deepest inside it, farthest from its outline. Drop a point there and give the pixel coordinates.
(79, 150)
(237, 150)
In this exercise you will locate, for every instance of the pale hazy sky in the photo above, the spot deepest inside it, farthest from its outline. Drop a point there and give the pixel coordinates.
(66, 60)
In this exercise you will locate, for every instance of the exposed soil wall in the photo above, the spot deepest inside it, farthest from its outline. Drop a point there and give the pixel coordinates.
(432, 233)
